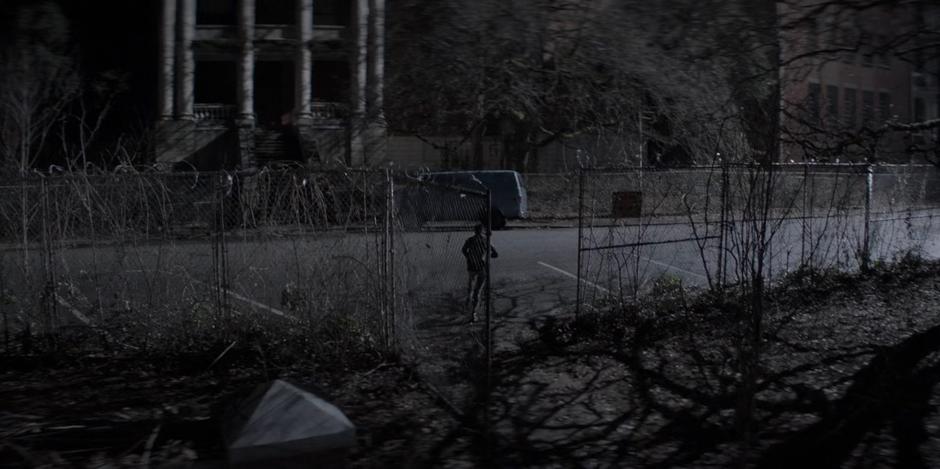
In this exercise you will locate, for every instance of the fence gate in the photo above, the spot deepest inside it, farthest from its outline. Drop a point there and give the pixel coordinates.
(442, 284)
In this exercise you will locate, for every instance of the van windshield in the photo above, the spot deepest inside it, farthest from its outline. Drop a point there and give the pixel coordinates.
(502, 185)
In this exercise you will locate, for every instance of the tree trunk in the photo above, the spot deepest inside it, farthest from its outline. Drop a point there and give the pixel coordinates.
(477, 139)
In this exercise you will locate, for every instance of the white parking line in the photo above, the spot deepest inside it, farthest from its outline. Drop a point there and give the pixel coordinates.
(75, 312)
(259, 305)
(669, 266)
(569, 274)
(230, 293)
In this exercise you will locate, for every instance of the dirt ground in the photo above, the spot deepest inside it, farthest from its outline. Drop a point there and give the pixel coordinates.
(849, 377)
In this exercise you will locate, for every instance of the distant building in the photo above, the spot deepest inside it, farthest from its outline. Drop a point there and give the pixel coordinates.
(242, 84)
(842, 77)
(925, 77)
(249, 82)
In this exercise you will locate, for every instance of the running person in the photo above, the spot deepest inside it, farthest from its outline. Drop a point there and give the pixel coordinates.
(474, 250)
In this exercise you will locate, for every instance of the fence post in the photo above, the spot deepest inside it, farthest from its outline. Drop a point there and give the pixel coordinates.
(389, 260)
(488, 309)
(383, 266)
(866, 241)
(577, 306)
(364, 207)
(768, 204)
(24, 229)
(488, 319)
(220, 249)
(4, 309)
(48, 300)
(804, 215)
(722, 226)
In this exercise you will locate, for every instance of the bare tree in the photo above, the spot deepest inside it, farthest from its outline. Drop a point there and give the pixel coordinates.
(38, 81)
(534, 73)
(900, 39)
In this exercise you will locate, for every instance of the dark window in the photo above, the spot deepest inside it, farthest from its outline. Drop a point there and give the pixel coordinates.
(215, 12)
(884, 106)
(832, 101)
(868, 107)
(274, 91)
(851, 107)
(813, 99)
(867, 59)
(275, 12)
(330, 81)
(919, 109)
(331, 12)
(215, 82)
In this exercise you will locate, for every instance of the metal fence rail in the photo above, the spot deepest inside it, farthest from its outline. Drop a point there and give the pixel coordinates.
(816, 215)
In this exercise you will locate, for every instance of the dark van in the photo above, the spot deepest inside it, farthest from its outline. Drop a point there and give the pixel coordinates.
(438, 200)
(506, 187)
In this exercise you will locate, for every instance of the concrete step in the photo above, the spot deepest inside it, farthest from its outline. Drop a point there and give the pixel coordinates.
(275, 145)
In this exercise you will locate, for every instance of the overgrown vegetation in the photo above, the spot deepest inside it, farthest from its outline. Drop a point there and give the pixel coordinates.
(671, 310)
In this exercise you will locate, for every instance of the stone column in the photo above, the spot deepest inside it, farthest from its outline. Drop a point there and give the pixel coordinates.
(376, 60)
(246, 63)
(357, 93)
(375, 144)
(167, 57)
(186, 67)
(246, 84)
(303, 62)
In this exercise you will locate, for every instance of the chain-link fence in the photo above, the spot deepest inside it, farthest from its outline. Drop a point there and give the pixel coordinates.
(90, 250)
(144, 261)
(704, 225)
(443, 232)
(143, 256)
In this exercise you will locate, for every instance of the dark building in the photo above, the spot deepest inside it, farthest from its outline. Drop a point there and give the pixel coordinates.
(244, 83)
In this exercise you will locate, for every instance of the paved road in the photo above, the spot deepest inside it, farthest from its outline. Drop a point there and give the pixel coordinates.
(534, 274)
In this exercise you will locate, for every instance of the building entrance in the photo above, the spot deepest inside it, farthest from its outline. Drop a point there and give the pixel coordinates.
(274, 93)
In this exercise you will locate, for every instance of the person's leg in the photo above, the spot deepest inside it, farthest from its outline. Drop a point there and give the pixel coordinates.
(472, 293)
(470, 276)
(478, 281)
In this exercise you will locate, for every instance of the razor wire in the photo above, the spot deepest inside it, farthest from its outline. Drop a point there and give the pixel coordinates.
(127, 252)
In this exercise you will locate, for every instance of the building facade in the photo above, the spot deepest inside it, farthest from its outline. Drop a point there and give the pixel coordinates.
(246, 83)
(844, 76)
